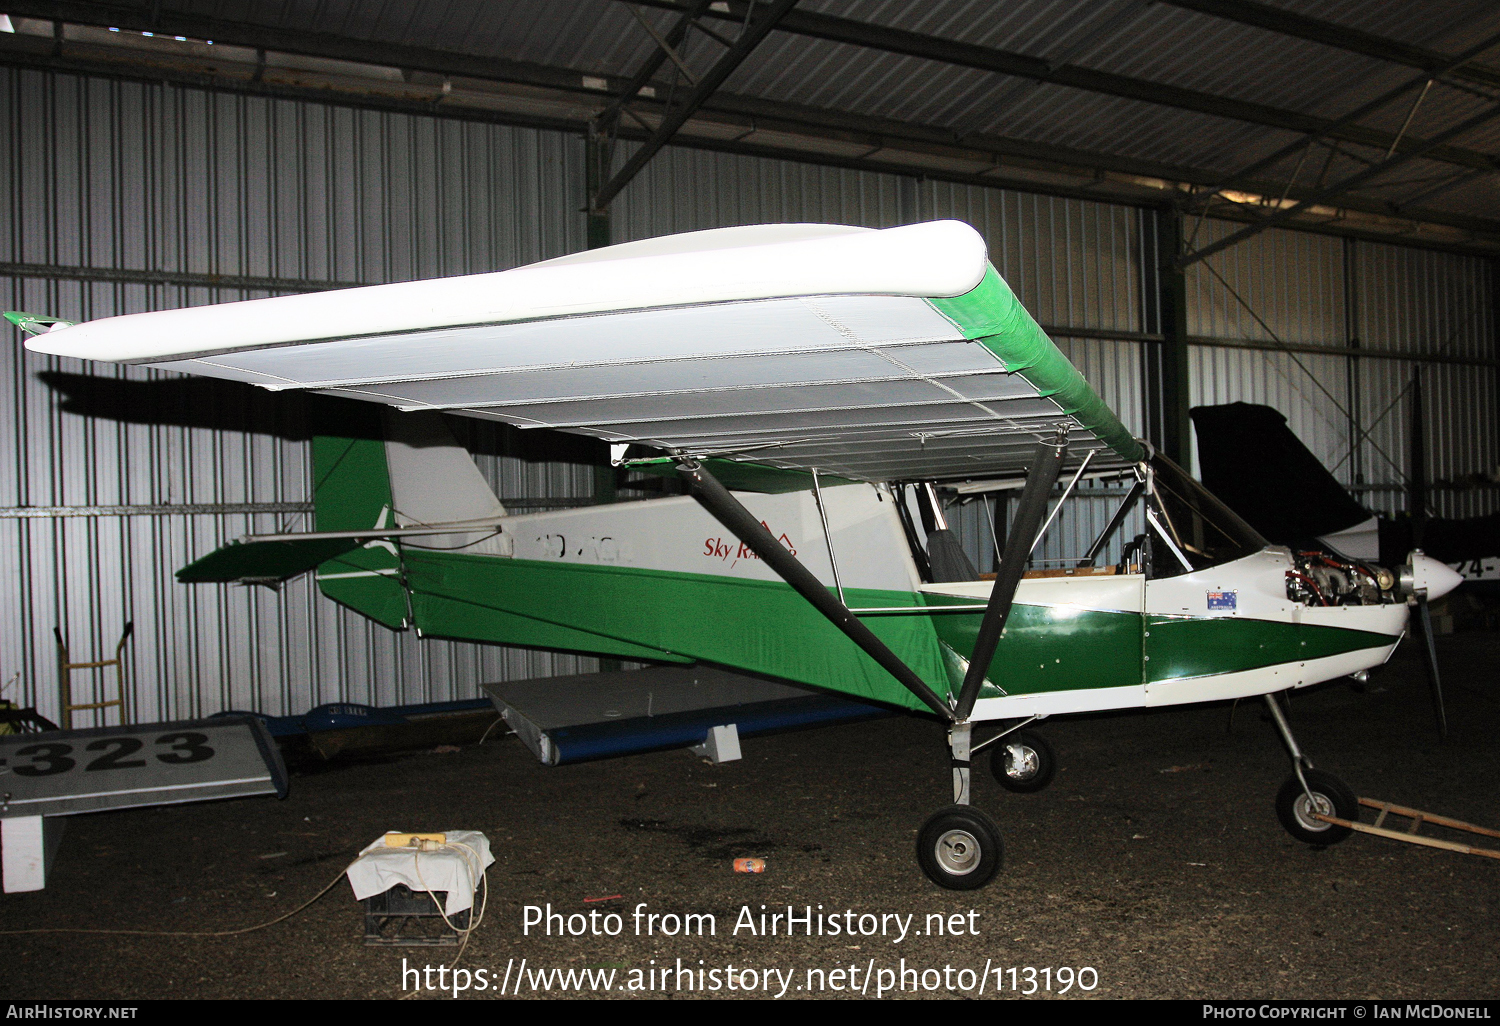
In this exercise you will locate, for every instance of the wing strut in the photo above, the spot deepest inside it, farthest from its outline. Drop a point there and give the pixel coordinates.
(1113, 525)
(1018, 545)
(727, 510)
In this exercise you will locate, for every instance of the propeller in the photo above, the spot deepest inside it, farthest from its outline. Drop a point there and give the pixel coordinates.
(1424, 578)
(1417, 593)
(1434, 678)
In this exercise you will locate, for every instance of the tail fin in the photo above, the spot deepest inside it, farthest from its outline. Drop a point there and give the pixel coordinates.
(381, 468)
(352, 492)
(433, 479)
(1251, 460)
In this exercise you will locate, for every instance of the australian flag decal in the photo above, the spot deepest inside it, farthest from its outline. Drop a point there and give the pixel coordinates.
(1221, 600)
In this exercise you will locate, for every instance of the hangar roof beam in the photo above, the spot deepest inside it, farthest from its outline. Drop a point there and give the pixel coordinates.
(1343, 37)
(844, 30)
(1452, 63)
(755, 30)
(1006, 62)
(1332, 193)
(665, 47)
(899, 146)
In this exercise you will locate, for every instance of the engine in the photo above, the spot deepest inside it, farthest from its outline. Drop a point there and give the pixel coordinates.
(1324, 580)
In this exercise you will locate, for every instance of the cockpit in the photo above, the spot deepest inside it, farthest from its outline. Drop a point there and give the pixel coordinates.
(1157, 522)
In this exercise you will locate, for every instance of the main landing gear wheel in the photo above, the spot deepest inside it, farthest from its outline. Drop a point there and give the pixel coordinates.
(959, 848)
(1330, 797)
(1023, 762)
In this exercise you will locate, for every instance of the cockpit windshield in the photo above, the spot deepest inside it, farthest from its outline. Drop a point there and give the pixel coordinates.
(1194, 525)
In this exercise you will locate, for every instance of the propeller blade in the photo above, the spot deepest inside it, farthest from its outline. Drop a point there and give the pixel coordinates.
(1434, 680)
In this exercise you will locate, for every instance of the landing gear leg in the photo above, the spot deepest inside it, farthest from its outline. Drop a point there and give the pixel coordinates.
(1310, 792)
(959, 847)
(958, 742)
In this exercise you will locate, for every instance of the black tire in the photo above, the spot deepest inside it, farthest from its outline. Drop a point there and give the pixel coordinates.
(959, 848)
(1023, 762)
(1333, 798)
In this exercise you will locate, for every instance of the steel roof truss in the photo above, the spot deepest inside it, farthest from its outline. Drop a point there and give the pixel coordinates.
(756, 29)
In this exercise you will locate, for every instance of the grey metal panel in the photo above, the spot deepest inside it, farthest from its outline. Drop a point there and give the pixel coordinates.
(124, 175)
(1070, 262)
(1460, 406)
(1423, 301)
(1385, 419)
(121, 174)
(1291, 281)
(683, 190)
(1355, 414)
(1460, 419)
(1404, 300)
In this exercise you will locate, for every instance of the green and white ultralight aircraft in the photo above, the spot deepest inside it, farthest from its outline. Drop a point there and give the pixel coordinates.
(798, 379)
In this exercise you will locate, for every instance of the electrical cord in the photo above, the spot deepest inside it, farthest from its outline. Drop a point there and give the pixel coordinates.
(471, 860)
(490, 729)
(188, 933)
(463, 932)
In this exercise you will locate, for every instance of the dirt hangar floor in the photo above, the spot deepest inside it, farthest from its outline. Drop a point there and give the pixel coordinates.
(1155, 858)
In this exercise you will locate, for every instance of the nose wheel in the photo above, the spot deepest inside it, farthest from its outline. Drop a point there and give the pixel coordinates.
(959, 848)
(1324, 795)
(1310, 793)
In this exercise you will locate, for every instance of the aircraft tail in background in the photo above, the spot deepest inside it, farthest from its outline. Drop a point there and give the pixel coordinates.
(1251, 460)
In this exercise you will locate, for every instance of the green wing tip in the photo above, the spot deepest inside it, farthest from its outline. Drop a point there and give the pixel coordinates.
(34, 325)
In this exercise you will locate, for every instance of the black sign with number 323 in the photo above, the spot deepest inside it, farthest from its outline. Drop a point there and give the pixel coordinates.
(64, 772)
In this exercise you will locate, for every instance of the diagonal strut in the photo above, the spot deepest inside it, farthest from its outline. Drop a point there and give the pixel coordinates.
(749, 39)
(728, 510)
(1018, 545)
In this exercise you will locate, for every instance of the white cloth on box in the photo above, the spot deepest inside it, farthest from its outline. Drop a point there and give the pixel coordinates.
(454, 869)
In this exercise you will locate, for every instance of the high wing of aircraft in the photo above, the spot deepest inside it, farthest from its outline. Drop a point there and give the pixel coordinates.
(799, 380)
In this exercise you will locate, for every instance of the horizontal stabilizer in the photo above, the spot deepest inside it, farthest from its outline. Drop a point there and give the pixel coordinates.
(264, 562)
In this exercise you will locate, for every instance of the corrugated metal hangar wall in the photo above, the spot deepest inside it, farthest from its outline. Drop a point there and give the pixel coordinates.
(125, 197)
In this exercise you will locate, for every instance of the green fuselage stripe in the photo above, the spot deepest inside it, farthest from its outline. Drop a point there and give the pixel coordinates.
(759, 626)
(1182, 647)
(765, 627)
(1051, 648)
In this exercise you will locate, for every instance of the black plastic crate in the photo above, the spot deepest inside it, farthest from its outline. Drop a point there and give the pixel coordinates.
(401, 917)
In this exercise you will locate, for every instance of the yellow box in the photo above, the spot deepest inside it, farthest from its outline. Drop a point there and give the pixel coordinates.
(396, 839)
